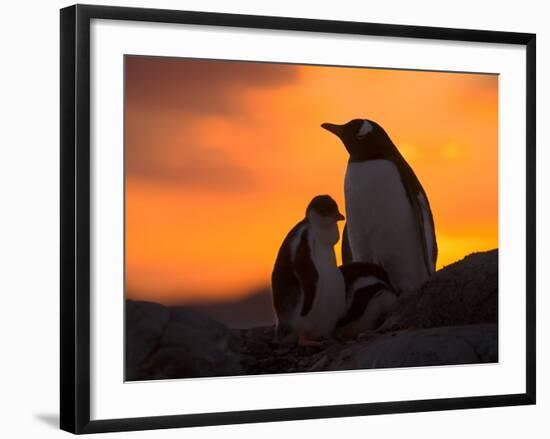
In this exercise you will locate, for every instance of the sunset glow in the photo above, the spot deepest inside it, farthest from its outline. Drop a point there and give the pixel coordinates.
(223, 157)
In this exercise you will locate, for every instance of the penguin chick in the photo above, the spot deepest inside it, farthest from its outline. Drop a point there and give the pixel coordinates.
(308, 288)
(369, 298)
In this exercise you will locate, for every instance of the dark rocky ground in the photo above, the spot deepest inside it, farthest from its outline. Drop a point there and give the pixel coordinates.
(451, 320)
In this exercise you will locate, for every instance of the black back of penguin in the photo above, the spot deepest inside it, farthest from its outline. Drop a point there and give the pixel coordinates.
(354, 271)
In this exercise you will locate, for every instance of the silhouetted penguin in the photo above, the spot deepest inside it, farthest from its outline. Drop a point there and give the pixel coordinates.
(308, 288)
(389, 220)
(370, 298)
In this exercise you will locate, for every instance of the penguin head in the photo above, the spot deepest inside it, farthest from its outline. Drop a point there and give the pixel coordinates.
(323, 214)
(363, 138)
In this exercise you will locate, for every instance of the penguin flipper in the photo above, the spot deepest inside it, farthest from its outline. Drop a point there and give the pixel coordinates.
(285, 285)
(347, 257)
(306, 272)
(421, 206)
(428, 231)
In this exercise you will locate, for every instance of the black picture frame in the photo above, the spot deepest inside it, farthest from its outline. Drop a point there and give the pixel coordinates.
(75, 217)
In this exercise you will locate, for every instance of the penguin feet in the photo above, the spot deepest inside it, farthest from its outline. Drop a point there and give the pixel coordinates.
(304, 341)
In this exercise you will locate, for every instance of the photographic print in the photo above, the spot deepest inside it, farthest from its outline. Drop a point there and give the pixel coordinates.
(288, 218)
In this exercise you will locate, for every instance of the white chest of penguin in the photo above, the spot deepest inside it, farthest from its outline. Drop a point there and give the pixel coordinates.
(329, 304)
(379, 214)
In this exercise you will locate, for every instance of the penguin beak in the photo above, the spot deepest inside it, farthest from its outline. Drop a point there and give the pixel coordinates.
(333, 128)
(340, 217)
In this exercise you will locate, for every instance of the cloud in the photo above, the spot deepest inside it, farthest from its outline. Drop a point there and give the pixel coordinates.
(199, 168)
(165, 148)
(166, 99)
(198, 86)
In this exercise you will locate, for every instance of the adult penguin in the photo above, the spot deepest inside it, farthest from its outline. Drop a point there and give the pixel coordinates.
(389, 220)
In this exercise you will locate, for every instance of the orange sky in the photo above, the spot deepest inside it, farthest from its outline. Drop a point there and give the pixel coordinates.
(223, 157)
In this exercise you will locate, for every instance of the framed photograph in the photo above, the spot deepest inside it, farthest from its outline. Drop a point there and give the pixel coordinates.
(275, 218)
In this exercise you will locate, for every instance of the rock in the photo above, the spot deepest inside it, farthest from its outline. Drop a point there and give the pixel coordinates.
(450, 320)
(186, 344)
(319, 364)
(464, 293)
(145, 324)
(423, 347)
